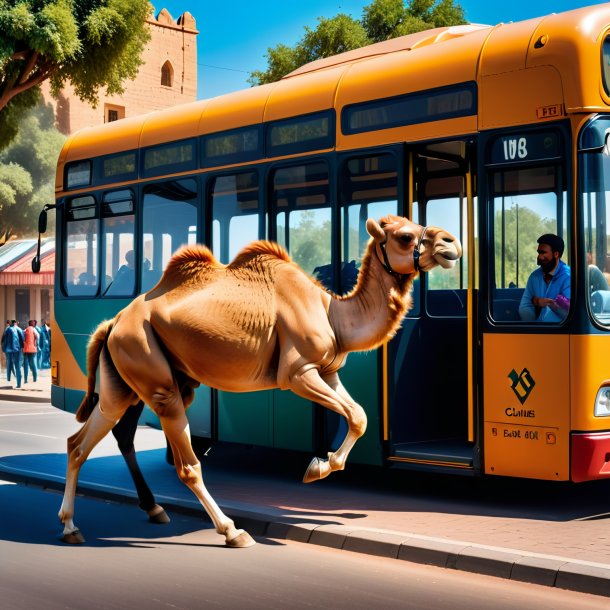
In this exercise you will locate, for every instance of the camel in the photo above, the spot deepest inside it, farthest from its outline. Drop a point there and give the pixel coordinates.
(258, 323)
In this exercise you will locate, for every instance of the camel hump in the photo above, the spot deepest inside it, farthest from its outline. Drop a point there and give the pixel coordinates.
(260, 248)
(188, 257)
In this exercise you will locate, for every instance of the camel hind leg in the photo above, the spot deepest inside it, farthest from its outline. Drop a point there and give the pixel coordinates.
(155, 382)
(124, 433)
(80, 446)
(115, 397)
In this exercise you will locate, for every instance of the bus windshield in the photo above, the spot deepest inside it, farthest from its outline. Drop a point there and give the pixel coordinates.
(595, 198)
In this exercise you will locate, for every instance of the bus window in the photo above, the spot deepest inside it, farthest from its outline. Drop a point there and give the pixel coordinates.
(235, 211)
(368, 189)
(81, 247)
(301, 200)
(525, 203)
(169, 219)
(595, 183)
(118, 256)
(446, 294)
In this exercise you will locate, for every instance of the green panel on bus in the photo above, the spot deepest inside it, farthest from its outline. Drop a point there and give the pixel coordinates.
(361, 379)
(246, 418)
(292, 421)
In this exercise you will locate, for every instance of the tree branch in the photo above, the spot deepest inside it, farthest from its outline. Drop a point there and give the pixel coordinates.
(32, 81)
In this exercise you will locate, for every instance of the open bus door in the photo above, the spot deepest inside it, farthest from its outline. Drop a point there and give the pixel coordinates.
(430, 365)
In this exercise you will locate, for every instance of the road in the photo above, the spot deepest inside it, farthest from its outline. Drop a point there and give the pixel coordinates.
(131, 564)
(36, 570)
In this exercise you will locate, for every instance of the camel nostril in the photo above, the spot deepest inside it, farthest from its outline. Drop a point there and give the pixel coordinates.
(449, 240)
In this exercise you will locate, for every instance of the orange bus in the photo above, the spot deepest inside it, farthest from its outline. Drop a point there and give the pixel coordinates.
(498, 134)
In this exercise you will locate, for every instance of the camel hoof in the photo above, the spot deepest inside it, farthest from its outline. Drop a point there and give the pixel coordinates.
(160, 518)
(242, 541)
(317, 469)
(74, 537)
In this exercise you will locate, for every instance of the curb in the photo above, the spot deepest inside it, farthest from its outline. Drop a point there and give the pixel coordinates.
(535, 568)
(23, 397)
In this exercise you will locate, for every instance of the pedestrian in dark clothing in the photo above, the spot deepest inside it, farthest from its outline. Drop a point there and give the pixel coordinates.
(12, 344)
(45, 338)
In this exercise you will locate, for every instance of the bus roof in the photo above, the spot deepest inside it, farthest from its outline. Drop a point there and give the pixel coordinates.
(520, 69)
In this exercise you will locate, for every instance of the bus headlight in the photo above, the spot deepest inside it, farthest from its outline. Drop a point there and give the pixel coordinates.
(602, 402)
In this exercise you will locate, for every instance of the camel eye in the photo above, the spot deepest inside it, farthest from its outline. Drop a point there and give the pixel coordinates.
(406, 239)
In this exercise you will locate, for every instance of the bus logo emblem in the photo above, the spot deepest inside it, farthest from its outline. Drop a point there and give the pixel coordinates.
(522, 384)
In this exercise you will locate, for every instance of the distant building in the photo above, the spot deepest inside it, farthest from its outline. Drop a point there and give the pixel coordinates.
(25, 295)
(167, 78)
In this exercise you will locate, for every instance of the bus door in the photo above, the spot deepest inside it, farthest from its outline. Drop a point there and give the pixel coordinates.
(431, 373)
(233, 205)
(301, 222)
(370, 185)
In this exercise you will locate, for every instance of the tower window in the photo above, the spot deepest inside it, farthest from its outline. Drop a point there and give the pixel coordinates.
(167, 74)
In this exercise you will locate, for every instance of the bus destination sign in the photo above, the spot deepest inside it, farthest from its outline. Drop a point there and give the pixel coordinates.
(522, 147)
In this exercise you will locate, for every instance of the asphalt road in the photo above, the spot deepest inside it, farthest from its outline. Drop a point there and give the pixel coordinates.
(129, 563)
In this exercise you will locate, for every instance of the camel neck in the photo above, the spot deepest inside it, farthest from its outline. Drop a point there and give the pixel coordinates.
(372, 312)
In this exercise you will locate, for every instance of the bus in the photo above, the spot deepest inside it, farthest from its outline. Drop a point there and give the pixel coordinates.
(498, 134)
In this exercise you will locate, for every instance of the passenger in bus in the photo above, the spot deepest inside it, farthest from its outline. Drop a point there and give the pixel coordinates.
(150, 277)
(597, 280)
(86, 279)
(547, 293)
(125, 278)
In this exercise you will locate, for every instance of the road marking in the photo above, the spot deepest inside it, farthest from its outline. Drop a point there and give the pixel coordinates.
(31, 434)
(21, 413)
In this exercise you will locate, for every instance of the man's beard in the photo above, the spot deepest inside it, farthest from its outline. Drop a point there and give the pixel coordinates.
(547, 267)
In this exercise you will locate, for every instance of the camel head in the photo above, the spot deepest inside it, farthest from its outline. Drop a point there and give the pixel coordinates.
(404, 247)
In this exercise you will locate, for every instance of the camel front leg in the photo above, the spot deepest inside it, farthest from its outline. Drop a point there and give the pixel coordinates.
(189, 471)
(80, 446)
(330, 393)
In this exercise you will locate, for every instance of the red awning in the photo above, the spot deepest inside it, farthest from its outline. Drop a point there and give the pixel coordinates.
(20, 272)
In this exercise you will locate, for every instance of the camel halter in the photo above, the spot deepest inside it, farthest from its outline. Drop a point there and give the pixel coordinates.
(385, 263)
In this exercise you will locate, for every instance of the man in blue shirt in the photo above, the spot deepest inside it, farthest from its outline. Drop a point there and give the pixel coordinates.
(12, 344)
(547, 293)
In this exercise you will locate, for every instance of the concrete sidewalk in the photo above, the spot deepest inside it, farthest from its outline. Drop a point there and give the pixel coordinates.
(32, 391)
(545, 533)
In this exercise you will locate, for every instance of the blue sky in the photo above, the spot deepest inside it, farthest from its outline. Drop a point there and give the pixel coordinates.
(234, 36)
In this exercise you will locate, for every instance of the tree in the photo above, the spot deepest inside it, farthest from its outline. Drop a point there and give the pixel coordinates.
(27, 172)
(381, 20)
(92, 44)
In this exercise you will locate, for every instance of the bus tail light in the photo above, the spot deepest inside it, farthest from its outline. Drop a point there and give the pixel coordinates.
(602, 402)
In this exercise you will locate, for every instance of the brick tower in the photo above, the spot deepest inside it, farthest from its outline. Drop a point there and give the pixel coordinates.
(167, 78)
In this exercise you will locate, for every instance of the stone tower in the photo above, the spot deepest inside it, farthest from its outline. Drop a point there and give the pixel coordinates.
(167, 78)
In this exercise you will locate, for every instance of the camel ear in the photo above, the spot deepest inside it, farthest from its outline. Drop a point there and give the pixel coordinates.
(375, 231)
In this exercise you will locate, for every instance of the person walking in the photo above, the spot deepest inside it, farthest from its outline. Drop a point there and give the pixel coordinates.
(30, 350)
(12, 344)
(4, 340)
(45, 334)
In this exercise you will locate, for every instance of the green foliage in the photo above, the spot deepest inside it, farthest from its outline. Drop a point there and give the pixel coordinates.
(93, 44)
(309, 240)
(27, 172)
(522, 227)
(381, 20)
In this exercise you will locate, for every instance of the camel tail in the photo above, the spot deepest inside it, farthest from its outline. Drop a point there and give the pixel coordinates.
(94, 349)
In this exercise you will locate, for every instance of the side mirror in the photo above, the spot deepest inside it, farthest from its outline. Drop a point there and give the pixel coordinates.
(42, 221)
(42, 227)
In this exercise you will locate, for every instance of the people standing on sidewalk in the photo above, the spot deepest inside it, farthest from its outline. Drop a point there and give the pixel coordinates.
(12, 344)
(45, 337)
(30, 350)
(8, 371)
(40, 344)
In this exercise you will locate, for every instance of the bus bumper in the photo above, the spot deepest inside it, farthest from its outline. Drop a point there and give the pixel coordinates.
(590, 456)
